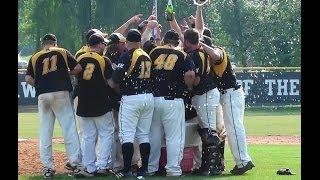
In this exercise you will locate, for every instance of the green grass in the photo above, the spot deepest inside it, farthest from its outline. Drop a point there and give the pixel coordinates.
(257, 122)
(267, 158)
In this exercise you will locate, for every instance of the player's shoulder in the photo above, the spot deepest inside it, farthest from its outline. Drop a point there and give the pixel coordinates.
(82, 50)
(139, 52)
(90, 55)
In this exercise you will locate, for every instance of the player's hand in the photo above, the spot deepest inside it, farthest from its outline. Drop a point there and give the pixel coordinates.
(136, 19)
(152, 24)
(152, 17)
(184, 26)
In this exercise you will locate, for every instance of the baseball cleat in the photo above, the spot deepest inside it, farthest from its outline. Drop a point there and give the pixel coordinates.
(240, 171)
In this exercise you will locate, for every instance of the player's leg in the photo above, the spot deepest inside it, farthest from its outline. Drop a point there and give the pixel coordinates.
(156, 135)
(65, 115)
(128, 119)
(116, 156)
(233, 112)
(105, 128)
(174, 128)
(143, 130)
(221, 131)
(89, 143)
(206, 106)
(47, 119)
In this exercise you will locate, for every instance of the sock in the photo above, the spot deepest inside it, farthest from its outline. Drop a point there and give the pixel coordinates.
(127, 153)
(221, 148)
(144, 152)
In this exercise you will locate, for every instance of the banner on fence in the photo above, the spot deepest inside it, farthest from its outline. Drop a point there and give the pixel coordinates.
(260, 88)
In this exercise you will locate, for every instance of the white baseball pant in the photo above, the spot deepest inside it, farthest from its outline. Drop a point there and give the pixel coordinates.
(100, 127)
(135, 116)
(233, 102)
(206, 105)
(221, 131)
(116, 157)
(51, 106)
(168, 119)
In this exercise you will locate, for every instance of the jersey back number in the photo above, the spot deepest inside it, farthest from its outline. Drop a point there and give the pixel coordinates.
(145, 69)
(166, 61)
(87, 74)
(53, 65)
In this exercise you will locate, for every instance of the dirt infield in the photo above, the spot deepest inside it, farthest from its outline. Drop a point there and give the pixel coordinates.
(29, 158)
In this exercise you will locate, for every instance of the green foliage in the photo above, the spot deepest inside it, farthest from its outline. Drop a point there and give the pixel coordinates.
(255, 33)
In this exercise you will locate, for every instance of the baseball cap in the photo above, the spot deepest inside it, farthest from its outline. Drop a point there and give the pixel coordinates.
(92, 31)
(134, 36)
(171, 35)
(97, 38)
(50, 37)
(207, 40)
(116, 38)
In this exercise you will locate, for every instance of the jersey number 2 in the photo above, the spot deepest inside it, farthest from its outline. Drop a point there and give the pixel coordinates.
(87, 74)
(145, 69)
(53, 65)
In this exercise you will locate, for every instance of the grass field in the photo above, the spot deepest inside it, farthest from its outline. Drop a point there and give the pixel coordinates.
(257, 122)
(267, 158)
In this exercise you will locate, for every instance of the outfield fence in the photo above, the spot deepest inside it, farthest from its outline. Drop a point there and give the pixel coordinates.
(263, 86)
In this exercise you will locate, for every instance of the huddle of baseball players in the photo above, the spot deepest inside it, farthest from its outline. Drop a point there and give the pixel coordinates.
(121, 94)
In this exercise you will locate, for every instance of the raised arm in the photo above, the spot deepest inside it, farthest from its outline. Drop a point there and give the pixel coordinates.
(125, 27)
(175, 26)
(199, 24)
(215, 54)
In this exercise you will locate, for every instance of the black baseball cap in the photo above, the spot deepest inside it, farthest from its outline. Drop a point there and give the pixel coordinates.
(207, 40)
(134, 36)
(92, 31)
(97, 38)
(49, 37)
(116, 38)
(171, 35)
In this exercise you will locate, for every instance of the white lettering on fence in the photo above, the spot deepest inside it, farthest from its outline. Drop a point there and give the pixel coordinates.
(28, 89)
(270, 82)
(283, 87)
(293, 90)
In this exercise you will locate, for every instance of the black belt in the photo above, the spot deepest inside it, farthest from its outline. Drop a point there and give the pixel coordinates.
(136, 93)
(168, 97)
(235, 88)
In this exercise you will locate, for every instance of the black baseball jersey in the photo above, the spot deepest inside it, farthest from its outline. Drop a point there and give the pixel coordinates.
(81, 51)
(203, 70)
(133, 72)
(224, 74)
(168, 69)
(93, 99)
(49, 68)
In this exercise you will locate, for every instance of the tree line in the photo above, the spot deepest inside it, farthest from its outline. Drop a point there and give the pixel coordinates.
(254, 32)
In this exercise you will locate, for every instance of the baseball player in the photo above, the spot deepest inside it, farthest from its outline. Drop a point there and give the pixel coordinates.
(116, 47)
(133, 75)
(48, 72)
(173, 73)
(94, 108)
(74, 93)
(205, 100)
(232, 101)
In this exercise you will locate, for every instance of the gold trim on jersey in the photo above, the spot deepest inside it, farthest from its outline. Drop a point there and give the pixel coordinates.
(220, 68)
(135, 55)
(204, 62)
(97, 57)
(81, 51)
(44, 51)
